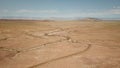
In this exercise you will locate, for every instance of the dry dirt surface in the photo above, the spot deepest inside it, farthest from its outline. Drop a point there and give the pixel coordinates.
(59, 44)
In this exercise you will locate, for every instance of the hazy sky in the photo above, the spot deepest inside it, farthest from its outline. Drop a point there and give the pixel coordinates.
(60, 8)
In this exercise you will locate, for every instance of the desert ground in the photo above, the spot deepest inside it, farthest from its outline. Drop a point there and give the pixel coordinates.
(59, 44)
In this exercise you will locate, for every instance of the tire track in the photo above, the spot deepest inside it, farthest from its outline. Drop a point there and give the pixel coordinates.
(32, 35)
(39, 46)
(53, 33)
(59, 58)
(48, 34)
(66, 38)
(8, 49)
(11, 52)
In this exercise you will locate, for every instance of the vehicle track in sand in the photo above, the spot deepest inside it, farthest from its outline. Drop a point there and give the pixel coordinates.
(59, 33)
(63, 57)
(8, 52)
(50, 33)
(15, 51)
(66, 38)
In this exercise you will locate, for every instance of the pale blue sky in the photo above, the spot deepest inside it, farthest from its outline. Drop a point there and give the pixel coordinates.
(60, 8)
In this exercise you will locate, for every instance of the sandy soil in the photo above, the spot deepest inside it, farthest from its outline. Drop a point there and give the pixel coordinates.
(59, 44)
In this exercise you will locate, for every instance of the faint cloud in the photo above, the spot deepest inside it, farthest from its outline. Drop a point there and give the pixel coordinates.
(23, 11)
(115, 11)
(116, 7)
(36, 11)
(97, 13)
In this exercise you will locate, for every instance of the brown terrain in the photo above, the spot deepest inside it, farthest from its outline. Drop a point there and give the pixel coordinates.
(59, 44)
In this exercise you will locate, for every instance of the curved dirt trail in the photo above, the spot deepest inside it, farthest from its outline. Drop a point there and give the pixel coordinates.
(66, 38)
(63, 57)
(53, 33)
(49, 34)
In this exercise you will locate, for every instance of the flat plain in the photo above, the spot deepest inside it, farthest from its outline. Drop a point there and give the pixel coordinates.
(59, 44)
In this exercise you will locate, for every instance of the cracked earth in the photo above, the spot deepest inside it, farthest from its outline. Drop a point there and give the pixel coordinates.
(59, 44)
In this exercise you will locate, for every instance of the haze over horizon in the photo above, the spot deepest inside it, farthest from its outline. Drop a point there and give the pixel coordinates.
(104, 9)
